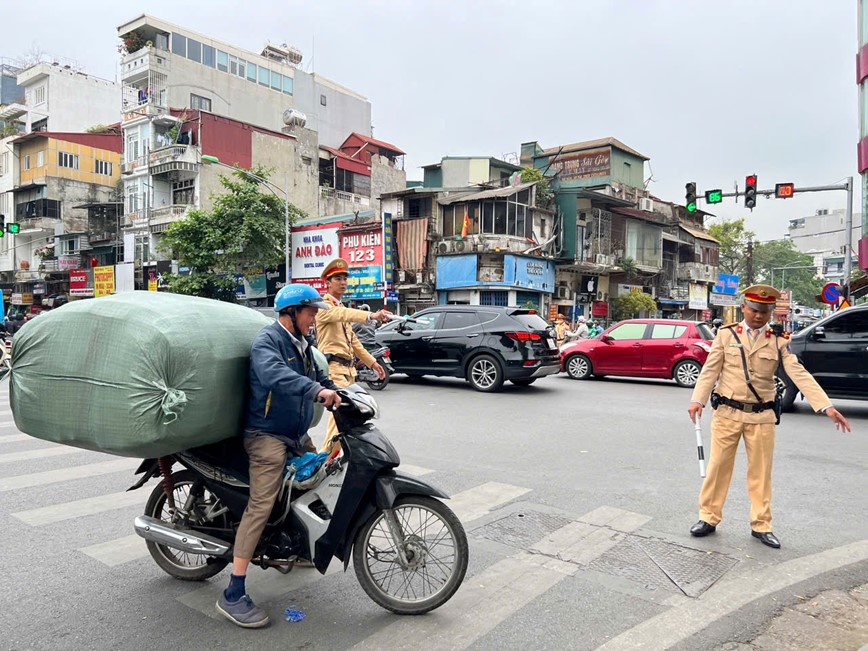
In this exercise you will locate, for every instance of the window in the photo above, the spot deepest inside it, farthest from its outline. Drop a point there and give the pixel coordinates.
(68, 246)
(264, 76)
(499, 299)
(39, 95)
(276, 83)
(418, 207)
(222, 61)
(179, 45)
(3, 163)
(183, 192)
(251, 72)
(322, 100)
(500, 217)
(27, 162)
(848, 326)
(455, 320)
(287, 85)
(199, 102)
(40, 158)
(628, 331)
(162, 41)
(209, 56)
(426, 321)
(132, 147)
(67, 160)
(233, 65)
(242, 68)
(667, 331)
(194, 50)
(103, 167)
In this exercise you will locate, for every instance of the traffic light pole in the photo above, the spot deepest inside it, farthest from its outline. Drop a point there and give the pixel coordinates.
(848, 221)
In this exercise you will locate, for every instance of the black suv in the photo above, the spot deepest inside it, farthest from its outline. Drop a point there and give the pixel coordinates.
(835, 351)
(486, 345)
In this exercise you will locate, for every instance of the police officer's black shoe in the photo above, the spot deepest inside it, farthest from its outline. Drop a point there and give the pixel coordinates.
(702, 528)
(766, 538)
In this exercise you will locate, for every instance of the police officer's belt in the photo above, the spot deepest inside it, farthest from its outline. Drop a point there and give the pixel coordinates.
(749, 407)
(343, 361)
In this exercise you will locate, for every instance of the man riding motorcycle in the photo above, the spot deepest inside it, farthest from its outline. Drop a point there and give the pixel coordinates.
(284, 382)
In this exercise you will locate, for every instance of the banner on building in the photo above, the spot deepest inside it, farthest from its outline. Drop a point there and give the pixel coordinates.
(388, 238)
(581, 165)
(79, 283)
(697, 297)
(724, 300)
(726, 284)
(103, 281)
(363, 250)
(312, 249)
(68, 262)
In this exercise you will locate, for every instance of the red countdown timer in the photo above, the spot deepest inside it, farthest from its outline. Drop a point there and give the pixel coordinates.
(784, 190)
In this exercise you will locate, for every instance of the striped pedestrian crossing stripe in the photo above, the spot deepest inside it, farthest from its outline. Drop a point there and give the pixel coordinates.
(126, 549)
(7, 423)
(13, 438)
(67, 474)
(494, 595)
(78, 508)
(480, 500)
(40, 453)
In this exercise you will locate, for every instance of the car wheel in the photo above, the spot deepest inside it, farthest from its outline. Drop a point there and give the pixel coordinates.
(524, 383)
(687, 372)
(791, 392)
(484, 374)
(578, 367)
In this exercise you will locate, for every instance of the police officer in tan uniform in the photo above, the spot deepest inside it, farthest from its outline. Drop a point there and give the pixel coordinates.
(335, 336)
(741, 352)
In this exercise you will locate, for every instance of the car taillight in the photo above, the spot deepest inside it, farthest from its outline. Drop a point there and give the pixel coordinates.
(704, 346)
(522, 336)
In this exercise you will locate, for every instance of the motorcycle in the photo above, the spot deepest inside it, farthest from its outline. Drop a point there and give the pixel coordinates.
(409, 550)
(369, 376)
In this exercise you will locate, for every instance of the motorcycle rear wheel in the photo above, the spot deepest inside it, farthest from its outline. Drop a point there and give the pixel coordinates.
(379, 385)
(435, 544)
(174, 562)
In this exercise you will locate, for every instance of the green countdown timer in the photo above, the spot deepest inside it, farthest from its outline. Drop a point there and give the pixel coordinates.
(714, 196)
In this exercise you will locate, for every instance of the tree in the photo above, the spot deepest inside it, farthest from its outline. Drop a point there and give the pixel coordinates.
(244, 232)
(733, 237)
(779, 263)
(627, 306)
(544, 194)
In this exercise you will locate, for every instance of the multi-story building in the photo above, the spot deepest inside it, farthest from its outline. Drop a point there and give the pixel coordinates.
(166, 65)
(823, 237)
(65, 201)
(483, 239)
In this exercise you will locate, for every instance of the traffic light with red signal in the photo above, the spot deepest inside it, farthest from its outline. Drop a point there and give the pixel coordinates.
(750, 191)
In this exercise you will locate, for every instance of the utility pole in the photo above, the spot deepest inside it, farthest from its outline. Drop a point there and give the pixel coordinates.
(749, 263)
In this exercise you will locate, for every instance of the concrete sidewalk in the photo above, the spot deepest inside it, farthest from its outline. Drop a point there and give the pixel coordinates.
(833, 620)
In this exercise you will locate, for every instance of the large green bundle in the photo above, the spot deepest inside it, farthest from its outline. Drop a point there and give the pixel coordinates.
(138, 374)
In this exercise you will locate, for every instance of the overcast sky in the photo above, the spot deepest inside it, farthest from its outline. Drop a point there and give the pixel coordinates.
(710, 91)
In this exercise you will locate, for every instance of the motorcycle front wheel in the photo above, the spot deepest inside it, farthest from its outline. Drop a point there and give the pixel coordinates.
(379, 385)
(435, 546)
(179, 564)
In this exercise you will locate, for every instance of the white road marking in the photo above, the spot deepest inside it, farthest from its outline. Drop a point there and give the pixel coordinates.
(67, 474)
(41, 453)
(416, 471)
(118, 551)
(12, 438)
(498, 592)
(7, 423)
(725, 597)
(480, 500)
(79, 508)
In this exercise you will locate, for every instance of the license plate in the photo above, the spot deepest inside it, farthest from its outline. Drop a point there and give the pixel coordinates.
(551, 344)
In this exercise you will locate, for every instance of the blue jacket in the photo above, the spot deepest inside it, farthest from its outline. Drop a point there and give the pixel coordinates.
(281, 387)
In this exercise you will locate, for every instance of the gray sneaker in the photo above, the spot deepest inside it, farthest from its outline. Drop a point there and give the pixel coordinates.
(243, 612)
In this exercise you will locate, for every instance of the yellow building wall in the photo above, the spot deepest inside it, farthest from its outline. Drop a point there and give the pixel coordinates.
(50, 148)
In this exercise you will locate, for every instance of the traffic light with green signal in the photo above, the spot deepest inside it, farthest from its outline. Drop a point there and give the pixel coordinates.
(690, 196)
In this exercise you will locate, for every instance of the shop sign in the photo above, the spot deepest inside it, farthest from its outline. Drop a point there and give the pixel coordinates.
(313, 247)
(78, 283)
(39, 288)
(21, 299)
(599, 308)
(363, 250)
(581, 165)
(724, 300)
(698, 297)
(726, 284)
(103, 281)
(67, 262)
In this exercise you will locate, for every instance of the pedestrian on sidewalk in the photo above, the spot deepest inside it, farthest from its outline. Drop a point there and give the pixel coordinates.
(582, 331)
(739, 377)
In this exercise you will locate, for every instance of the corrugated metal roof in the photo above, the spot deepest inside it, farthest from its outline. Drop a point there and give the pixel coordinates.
(373, 141)
(702, 235)
(105, 141)
(593, 144)
(485, 194)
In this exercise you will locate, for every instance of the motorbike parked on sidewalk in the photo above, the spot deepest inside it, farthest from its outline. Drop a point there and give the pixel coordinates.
(369, 376)
(409, 550)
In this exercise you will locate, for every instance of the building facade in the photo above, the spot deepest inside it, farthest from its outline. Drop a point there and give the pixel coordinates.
(823, 237)
(862, 149)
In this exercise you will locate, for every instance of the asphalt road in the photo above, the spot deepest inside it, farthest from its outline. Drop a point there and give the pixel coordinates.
(577, 498)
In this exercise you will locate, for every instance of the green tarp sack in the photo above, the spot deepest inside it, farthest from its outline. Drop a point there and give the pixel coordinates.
(137, 374)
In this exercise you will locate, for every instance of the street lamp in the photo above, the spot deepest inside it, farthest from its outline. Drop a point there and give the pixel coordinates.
(274, 190)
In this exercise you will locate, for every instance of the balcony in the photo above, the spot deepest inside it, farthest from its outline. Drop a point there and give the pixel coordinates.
(174, 158)
(340, 195)
(697, 272)
(128, 167)
(139, 64)
(168, 214)
(38, 208)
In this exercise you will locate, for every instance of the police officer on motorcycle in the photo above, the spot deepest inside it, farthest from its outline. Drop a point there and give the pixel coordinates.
(284, 382)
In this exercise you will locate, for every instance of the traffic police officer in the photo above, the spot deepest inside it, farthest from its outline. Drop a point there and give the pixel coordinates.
(335, 336)
(742, 363)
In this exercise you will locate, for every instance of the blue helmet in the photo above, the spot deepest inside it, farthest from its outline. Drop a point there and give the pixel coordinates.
(298, 295)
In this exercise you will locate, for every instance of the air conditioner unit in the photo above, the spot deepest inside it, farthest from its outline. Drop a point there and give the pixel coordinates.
(402, 276)
(601, 258)
(458, 246)
(563, 292)
(443, 247)
(602, 296)
(646, 204)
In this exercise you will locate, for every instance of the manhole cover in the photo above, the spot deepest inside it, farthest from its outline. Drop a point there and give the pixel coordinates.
(521, 530)
(659, 565)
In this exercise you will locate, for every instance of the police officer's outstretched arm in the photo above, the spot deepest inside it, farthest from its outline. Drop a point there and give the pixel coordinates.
(707, 379)
(806, 383)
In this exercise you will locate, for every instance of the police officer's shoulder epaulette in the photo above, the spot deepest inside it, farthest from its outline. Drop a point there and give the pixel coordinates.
(785, 335)
(730, 325)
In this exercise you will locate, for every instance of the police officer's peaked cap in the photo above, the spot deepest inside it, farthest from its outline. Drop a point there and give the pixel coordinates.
(761, 296)
(336, 266)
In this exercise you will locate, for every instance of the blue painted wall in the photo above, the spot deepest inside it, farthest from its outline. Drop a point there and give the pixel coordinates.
(519, 272)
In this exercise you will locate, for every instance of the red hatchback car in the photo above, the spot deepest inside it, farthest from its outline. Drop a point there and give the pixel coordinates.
(659, 348)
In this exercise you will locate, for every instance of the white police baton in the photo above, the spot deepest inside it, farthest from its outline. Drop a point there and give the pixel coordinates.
(700, 451)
